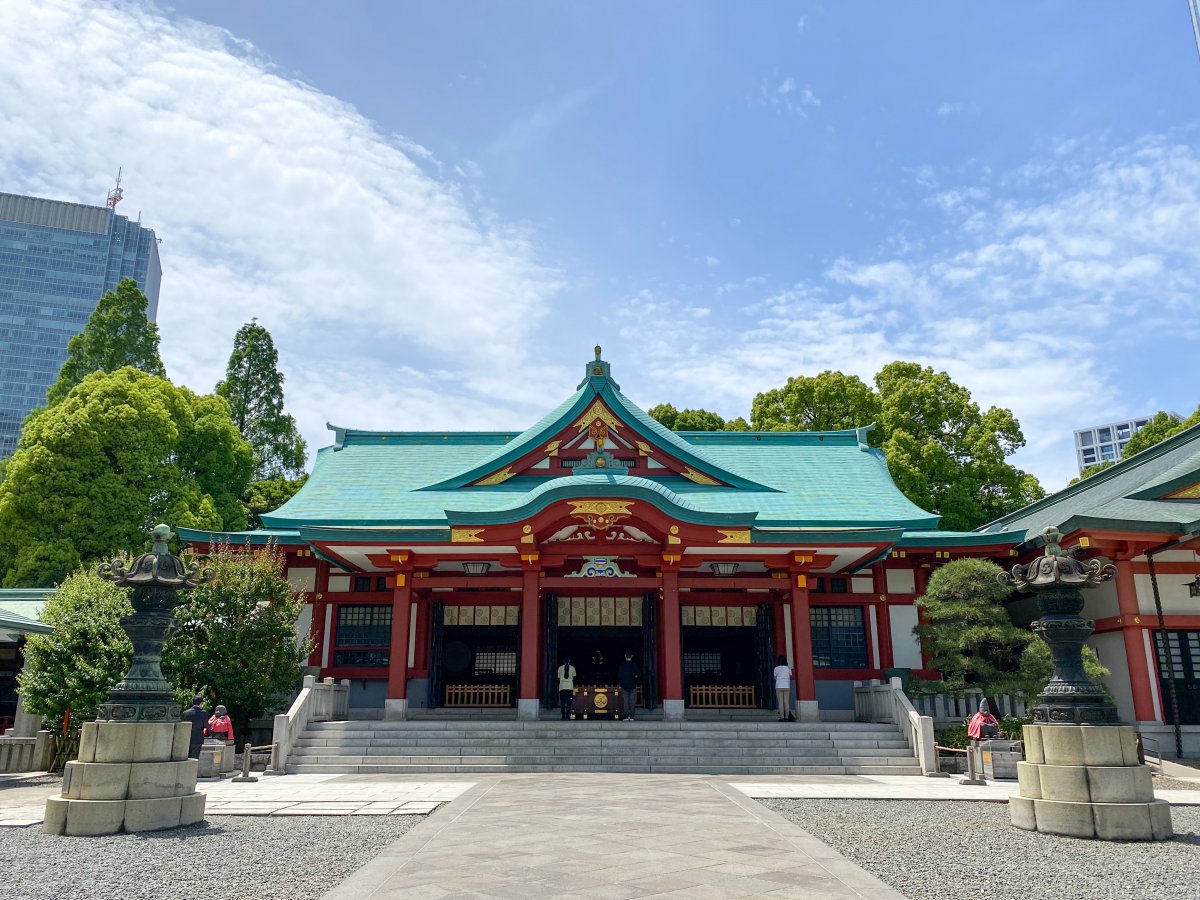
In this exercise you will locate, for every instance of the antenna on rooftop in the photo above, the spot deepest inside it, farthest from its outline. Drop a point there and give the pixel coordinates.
(115, 195)
(1194, 9)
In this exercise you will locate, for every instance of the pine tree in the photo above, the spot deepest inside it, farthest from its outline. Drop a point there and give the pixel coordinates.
(253, 386)
(118, 333)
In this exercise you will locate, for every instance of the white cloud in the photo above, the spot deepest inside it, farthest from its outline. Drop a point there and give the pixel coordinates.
(787, 96)
(1033, 307)
(272, 200)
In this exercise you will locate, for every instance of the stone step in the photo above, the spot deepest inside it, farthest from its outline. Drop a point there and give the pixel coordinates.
(600, 751)
(553, 724)
(732, 745)
(315, 769)
(696, 763)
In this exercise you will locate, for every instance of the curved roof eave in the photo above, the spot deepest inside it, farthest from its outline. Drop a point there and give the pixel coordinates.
(600, 486)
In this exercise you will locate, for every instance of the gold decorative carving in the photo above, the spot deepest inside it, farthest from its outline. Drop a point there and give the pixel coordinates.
(737, 536)
(503, 475)
(644, 449)
(525, 529)
(1191, 492)
(598, 432)
(552, 448)
(698, 477)
(466, 535)
(598, 411)
(601, 514)
(674, 529)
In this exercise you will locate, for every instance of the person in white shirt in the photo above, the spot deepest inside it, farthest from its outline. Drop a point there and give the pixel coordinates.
(783, 687)
(566, 686)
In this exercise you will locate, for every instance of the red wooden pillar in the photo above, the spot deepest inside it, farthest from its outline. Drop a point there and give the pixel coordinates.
(531, 651)
(316, 628)
(1135, 644)
(396, 704)
(883, 618)
(802, 661)
(672, 693)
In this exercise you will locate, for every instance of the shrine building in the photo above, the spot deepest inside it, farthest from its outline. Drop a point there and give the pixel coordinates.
(458, 569)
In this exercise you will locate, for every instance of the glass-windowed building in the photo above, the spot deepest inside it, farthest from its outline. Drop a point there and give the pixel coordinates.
(1105, 443)
(56, 260)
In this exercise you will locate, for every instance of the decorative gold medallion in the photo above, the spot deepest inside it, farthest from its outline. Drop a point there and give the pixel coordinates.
(735, 536)
(598, 412)
(466, 535)
(698, 477)
(503, 475)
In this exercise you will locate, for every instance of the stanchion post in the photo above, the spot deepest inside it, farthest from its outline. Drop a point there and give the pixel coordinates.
(245, 776)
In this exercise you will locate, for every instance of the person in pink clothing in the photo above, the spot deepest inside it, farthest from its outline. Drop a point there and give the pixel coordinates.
(220, 725)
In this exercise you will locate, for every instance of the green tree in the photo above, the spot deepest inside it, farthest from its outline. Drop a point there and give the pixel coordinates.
(1160, 427)
(1037, 666)
(253, 386)
(965, 629)
(944, 453)
(694, 419)
(268, 494)
(118, 333)
(1089, 471)
(121, 452)
(830, 401)
(74, 667)
(236, 641)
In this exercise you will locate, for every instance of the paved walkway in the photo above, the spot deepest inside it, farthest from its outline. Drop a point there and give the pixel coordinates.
(329, 795)
(601, 835)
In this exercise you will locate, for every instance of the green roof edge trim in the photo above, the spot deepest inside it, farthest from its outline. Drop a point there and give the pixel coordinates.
(961, 538)
(1118, 468)
(597, 387)
(255, 538)
(591, 485)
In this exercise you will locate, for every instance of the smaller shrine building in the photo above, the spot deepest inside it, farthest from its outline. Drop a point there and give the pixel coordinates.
(460, 568)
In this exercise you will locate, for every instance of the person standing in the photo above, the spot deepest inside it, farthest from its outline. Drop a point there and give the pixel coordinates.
(627, 675)
(783, 687)
(220, 725)
(566, 686)
(199, 719)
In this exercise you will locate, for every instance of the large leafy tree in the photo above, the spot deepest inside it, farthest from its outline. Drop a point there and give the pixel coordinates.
(268, 494)
(830, 401)
(118, 333)
(74, 667)
(253, 385)
(965, 629)
(236, 642)
(946, 454)
(121, 452)
(694, 419)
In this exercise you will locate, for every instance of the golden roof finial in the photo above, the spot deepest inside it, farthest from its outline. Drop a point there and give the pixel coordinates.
(597, 351)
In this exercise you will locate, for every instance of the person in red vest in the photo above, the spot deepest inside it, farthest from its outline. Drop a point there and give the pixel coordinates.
(220, 725)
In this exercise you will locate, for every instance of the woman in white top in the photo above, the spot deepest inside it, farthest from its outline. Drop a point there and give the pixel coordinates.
(783, 686)
(566, 686)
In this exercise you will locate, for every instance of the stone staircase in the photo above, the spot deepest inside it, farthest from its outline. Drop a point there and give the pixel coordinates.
(713, 747)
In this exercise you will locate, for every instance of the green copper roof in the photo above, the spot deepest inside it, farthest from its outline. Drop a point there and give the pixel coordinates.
(1124, 496)
(782, 485)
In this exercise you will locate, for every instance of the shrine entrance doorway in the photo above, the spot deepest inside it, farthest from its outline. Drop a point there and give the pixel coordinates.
(595, 633)
(727, 656)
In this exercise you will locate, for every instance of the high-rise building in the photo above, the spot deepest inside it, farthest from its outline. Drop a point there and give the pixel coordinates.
(56, 260)
(1105, 443)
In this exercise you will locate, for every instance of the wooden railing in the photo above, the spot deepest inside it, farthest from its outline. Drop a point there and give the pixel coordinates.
(735, 696)
(478, 695)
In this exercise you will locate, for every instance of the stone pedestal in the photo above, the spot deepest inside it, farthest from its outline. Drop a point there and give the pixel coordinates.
(999, 758)
(1085, 781)
(212, 758)
(128, 777)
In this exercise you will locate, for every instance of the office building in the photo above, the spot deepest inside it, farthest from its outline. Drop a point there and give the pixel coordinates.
(56, 260)
(1106, 443)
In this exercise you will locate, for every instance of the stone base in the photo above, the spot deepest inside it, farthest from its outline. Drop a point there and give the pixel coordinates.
(395, 710)
(808, 711)
(1085, 781)
(128, 777)
(673, 710)
(212, 759)
(529, 709)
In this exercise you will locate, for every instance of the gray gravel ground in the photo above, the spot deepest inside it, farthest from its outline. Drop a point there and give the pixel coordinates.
(965, 851)
(226, 858)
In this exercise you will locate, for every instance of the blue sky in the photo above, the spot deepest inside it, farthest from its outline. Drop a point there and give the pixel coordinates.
(438, 208)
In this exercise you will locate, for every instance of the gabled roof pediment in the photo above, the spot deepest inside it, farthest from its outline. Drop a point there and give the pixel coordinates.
(594, 425)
